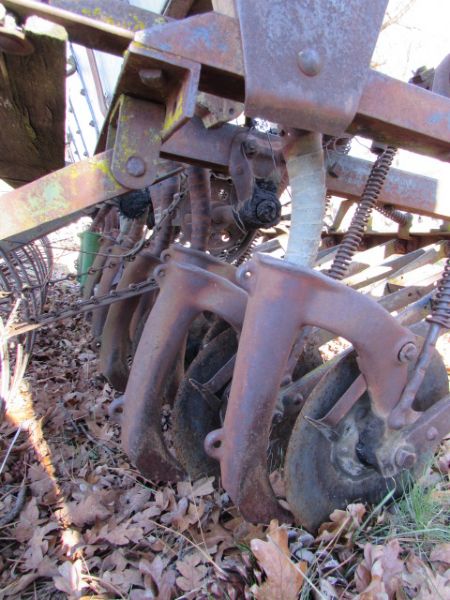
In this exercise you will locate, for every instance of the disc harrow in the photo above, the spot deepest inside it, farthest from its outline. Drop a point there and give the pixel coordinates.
(222, 267)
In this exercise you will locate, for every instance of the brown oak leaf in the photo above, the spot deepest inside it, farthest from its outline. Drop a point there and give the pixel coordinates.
(343, 523)
(193, 572)
(95, 505)
(28, 521)
(158, 577)
(70, 579)
(202, 487)
(284, 578)
(380, 571)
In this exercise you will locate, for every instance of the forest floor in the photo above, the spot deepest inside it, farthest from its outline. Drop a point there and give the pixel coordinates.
(78, 521)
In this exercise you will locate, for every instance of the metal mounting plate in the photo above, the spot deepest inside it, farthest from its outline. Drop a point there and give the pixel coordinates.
(137, 142)
(306, 62)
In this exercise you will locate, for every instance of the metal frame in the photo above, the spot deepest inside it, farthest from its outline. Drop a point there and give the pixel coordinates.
(320, 81)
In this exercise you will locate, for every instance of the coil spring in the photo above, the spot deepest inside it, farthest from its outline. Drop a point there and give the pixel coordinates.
(354, 235)
(440, 313)
(247, 247)
(401, 218)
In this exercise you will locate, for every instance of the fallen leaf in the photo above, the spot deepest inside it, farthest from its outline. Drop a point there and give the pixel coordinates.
(28, 521)
(284, 578)
(342, 524)
(95, 505)
(380, 571)
(70, 579)
(193, 572)
(202, 487)
(441, 553)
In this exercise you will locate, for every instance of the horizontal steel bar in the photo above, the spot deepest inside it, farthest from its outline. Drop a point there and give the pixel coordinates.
(391, 111)
(84, 184)
(415, 193)
(57, 195)
(109, 25)
(26, 237)
(403, 115)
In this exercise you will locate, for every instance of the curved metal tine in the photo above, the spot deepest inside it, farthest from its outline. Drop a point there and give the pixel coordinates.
(120, 325)
(112, 267)
(207, 286)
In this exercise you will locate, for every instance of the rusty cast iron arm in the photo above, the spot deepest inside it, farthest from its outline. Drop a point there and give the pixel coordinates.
(190, 283)
(300, 297)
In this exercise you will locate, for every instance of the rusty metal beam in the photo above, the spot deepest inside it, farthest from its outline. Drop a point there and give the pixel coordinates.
(404, 115)
(21, 239)
(195, 144)
(57, 195)
(409, 191)
(109, 25)
(389, 110)
(84, 184)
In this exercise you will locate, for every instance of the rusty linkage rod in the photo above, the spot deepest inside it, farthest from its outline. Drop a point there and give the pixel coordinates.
(438, 321)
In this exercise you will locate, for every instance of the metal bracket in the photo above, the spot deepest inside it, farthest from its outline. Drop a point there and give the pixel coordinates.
(137, 143)
(306, 63)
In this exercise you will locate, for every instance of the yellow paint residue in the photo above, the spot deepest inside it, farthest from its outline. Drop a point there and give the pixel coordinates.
(173, 117)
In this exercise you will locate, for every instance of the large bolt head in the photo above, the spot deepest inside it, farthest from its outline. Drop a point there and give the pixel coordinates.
(408, 352)
(310, 62)
(405, 459)
(136, 166)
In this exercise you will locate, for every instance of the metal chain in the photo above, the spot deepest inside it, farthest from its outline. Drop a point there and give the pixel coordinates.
(82, 306)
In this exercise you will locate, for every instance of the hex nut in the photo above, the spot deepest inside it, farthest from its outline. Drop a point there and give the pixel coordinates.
(405, 459)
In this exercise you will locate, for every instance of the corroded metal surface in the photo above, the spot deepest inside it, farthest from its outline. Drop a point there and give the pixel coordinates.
(103, 25)
(302, 65)
(291, 51)
(190, 282)
(58, 194)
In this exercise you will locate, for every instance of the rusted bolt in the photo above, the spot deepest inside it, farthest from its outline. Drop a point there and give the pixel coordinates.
(153, 78)
(249, 147)
(310, 62)
(149, 76)
(135, 166)
(404, 458)
(287, 379)
(407, 353)
(432, 434)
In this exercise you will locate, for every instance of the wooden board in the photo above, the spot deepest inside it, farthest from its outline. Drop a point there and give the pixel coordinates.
(32, 106)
